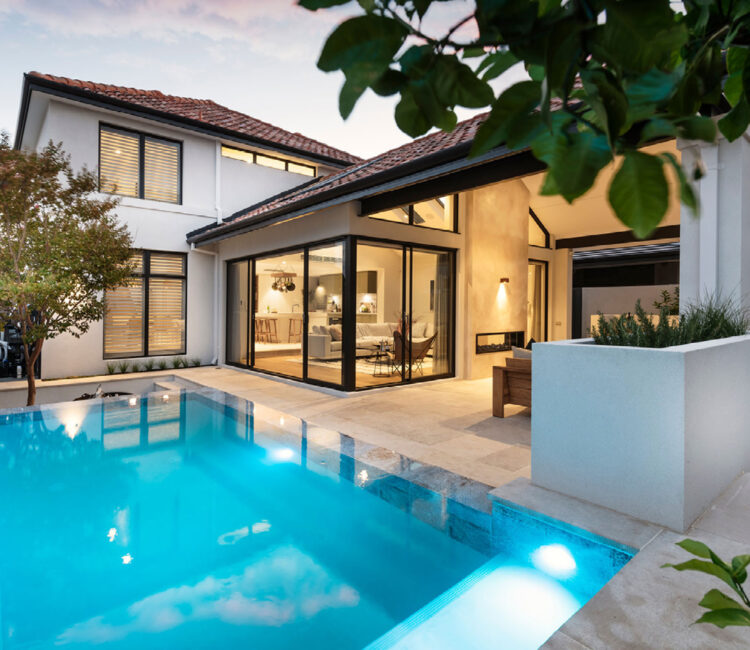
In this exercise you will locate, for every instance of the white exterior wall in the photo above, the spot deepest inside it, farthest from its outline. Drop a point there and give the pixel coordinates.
(654, 433)
(211, 186)
(715, 248)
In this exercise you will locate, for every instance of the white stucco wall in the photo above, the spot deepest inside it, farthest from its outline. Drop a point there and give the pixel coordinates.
(155, 225)
(654, 433)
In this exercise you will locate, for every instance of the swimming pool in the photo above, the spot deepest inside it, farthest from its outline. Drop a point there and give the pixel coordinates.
(193, 519)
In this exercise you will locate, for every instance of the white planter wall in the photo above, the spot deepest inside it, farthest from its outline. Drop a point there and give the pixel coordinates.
(654, 433)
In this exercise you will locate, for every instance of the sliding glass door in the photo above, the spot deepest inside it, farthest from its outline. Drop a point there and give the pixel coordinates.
(279, 313)
(406, 317)
(356, 313)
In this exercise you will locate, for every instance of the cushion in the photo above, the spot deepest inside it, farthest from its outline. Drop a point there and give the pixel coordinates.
(429, 329)
(335, 331)
(521, 353)
(380, 329)
(418, 329)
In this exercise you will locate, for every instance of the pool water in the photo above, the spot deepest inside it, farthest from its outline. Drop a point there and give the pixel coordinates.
(196, 520)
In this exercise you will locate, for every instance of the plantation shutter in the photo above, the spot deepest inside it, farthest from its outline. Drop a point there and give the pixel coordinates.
(166, 304)
(123, 320)
(161, 170)
(118, 162)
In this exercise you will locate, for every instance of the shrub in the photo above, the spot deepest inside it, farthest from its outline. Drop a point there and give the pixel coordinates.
(123, 366)
(714, 318)
(195, 362)
(136, 367)
(111, 367)
(176, 363)
(148, 365)
(161, 364)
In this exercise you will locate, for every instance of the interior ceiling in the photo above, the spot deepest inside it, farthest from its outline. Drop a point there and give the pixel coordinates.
(591, 214)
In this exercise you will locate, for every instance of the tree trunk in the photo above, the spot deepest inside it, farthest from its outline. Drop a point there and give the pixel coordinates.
(30, 357)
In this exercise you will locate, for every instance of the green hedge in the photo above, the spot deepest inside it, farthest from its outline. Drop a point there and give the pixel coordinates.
(713, 318)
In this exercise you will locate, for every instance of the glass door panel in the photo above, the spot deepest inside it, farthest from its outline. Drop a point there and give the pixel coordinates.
(325, 313)
(379, 314)
(279, 291)
(238, 311)
(536, 313)
(431, 346)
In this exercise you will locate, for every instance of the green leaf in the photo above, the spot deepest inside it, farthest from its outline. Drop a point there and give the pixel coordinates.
(370, 39)
(735, 122)
(739, 564)
(607, 99)
(563, 45)
(736, 57)
(726, 617)
(639, 195)
(574, 160)
(517, 101)
(389, 83)
(314, 5)
(746, 79)
(733, 88)
(697, 127)
(536, 72)
(456, 84)
(638, 35)
(658, 127)
(409, 117)
(473, 52)
(687, 196)
(715, 599)
(350, 93)
(495, 64)
(705, 567)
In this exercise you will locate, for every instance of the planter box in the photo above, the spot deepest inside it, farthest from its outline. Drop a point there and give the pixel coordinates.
(654, 433)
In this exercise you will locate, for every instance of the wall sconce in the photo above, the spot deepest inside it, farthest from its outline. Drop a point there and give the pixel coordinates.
(502, 292)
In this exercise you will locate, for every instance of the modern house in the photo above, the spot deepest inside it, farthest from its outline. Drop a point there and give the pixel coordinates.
(264, 249)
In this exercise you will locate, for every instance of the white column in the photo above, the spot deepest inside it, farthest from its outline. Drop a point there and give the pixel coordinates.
(714, 247)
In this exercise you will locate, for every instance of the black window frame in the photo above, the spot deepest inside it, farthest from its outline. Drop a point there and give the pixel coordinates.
(349, 288)
(255, 155)
(409, 210)
(542, 227)
(147, 275)
(142, 137)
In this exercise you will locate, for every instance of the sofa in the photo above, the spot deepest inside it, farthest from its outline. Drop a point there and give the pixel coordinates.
(325, 342)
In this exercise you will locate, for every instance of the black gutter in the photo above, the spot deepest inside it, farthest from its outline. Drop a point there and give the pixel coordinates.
(58, 89)
(443, 156)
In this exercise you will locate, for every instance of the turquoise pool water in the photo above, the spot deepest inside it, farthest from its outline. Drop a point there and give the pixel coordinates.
(195, 520)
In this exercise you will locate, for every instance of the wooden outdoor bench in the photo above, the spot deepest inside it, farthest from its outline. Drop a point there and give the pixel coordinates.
(511, 384)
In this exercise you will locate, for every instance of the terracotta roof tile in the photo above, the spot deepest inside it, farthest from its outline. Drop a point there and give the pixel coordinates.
(410, 152)
(209, 113)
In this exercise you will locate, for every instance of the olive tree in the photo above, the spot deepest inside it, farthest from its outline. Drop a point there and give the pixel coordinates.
(605, 77)
(61, 248)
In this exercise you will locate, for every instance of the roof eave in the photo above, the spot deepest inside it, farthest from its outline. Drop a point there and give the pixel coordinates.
(32, 83)
(348, 192)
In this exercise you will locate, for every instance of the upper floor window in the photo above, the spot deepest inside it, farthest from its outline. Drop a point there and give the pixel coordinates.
(275, 162)
(139, 165)
(439, 213)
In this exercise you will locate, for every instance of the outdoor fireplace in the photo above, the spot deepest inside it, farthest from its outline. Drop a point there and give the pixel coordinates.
(498, 341)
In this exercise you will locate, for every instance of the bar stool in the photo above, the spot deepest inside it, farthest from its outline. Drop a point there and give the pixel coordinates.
(295, 330)
(261, 329)
(271, 332)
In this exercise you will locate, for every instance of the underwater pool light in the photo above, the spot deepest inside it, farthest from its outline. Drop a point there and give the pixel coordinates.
(555, 560)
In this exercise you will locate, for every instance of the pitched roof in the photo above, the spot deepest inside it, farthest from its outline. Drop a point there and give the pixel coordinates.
(368, 173)
(203, 111)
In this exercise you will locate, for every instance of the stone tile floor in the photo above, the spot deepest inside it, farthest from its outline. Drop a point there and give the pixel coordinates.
(445, 423)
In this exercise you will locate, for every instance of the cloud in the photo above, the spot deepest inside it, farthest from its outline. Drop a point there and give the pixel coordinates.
(279, 29)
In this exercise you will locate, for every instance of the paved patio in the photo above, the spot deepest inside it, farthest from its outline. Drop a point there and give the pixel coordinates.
(446, 423)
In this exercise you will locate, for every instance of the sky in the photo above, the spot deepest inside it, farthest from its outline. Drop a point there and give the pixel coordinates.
(254, 56)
